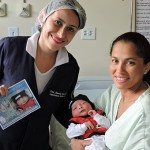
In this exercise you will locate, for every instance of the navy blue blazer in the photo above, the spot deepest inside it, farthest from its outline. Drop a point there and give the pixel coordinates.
(31, 133)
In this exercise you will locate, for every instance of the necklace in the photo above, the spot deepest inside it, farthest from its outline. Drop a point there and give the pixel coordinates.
(133, 99)
(137, 88)
(125, 104)
(123, 100)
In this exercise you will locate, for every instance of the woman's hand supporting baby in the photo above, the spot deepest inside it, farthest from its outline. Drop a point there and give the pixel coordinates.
(77, 144)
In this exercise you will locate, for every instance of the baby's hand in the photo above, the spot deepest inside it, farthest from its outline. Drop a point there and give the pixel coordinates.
(89, 125)
(92, 113)
(3, 90)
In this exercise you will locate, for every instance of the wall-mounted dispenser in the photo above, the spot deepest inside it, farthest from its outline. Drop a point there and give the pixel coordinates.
(2, 9)
(23, 9)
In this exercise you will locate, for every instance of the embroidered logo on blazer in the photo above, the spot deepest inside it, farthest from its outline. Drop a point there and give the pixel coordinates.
(57, 94)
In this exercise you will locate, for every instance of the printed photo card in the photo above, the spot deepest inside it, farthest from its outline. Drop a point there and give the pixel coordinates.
(19, 103)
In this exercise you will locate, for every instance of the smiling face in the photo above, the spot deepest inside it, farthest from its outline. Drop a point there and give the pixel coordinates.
(58, 30)
(80, 108)
(126, 67)
(22, 100)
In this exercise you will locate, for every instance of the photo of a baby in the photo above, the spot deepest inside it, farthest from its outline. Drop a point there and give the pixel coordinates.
(19, 103)
(23, 101)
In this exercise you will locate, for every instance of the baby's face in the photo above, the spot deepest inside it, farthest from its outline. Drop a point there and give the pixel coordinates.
(80, 108)
(22, 100)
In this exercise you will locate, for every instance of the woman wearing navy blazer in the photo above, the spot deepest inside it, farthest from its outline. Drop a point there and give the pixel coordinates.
(50, 70)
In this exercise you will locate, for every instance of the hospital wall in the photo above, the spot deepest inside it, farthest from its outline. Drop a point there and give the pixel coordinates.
(110, 18)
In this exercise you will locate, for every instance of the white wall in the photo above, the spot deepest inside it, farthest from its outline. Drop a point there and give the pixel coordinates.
(110, 17)
(14, 20)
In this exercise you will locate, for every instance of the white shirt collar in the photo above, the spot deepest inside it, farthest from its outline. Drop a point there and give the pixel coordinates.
(31, 48)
